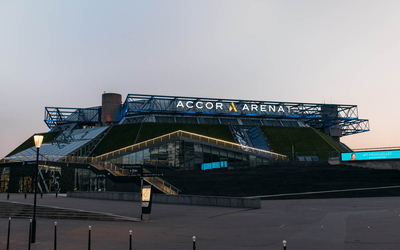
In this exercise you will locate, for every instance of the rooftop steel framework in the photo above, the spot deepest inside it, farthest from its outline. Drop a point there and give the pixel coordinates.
(64, 116)
(314, 114)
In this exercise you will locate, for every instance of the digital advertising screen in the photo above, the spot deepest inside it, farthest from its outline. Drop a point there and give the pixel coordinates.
(371, 155)
(146, 199)
(146, 193)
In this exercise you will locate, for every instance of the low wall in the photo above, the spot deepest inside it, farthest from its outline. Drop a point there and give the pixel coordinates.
(383, 164)
(173, 199)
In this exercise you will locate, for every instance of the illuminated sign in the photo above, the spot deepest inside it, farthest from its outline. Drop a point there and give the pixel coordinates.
(371, 155)
(146, 194)
(232, 107)
(250, 107)
(214, 165)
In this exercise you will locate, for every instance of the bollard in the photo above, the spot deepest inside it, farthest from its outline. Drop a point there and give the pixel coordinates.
(41, 195)
(8, 196)
(8, 235)
(90, 228)
(56, 194)
(194, 242)
(30, 234)
(55, 235)
(25, 196)
(130, 239)
(284, 244)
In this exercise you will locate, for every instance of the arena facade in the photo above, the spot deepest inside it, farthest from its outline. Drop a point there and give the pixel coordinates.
(99, 148)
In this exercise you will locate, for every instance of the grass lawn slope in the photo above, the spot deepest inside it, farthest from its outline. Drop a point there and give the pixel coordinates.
(306, 141)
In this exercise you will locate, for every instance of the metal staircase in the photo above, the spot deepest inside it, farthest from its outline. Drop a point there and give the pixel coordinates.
(157, 182)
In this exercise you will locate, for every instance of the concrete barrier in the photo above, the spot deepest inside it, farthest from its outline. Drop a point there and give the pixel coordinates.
(382, 164)
(196, 200)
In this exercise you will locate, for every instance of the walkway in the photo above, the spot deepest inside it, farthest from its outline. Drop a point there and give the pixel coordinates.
(333, 224)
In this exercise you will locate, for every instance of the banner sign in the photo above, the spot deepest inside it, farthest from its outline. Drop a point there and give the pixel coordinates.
(371, 155)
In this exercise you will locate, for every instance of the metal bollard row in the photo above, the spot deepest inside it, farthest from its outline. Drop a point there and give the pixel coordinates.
(89, 237)
(55, 235)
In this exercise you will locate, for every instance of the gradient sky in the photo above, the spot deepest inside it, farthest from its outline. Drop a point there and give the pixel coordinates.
(67, 53)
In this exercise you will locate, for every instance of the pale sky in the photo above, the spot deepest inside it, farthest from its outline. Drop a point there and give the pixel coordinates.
(67, 53)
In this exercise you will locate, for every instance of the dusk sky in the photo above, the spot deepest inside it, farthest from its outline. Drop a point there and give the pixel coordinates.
(67, 53)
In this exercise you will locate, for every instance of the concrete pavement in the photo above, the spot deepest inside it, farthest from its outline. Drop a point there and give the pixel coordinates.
(350, 224)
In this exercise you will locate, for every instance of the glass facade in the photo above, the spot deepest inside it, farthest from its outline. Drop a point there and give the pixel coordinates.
(181, 154)
(51, 179)
(86, 180)
(186, 155)
(4, 179)
(166, 155)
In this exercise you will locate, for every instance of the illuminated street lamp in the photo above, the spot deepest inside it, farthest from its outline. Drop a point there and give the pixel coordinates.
(38, 142)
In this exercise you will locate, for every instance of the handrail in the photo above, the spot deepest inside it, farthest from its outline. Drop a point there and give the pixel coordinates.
(68, 159)
(165, 186)
(191, 136)
(102, 165)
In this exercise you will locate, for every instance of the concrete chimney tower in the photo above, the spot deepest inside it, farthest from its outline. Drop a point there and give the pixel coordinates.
(111, 108)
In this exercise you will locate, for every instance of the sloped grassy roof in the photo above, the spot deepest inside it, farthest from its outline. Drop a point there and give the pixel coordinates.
(124, 135)
(304, 140)
(47, 137)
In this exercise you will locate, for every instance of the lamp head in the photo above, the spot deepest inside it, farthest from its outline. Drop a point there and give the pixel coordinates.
(284, 243)
(194, 238)
(38, 140)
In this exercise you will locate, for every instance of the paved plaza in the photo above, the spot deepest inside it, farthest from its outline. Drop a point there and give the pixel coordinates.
(351, 224)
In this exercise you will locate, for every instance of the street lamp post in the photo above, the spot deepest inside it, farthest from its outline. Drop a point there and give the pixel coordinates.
(38, 142)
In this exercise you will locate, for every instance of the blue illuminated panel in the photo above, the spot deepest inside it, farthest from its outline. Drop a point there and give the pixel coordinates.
(371, 155)
(214, 165)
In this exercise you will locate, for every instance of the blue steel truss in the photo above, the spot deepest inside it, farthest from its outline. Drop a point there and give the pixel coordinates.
(63, 116)
(315, 115)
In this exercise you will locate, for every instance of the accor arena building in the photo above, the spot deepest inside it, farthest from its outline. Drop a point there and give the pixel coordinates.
(100, 148)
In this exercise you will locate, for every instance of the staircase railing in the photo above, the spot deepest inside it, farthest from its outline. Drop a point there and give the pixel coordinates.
(161, 184)
(67, 159)
(157, 182)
